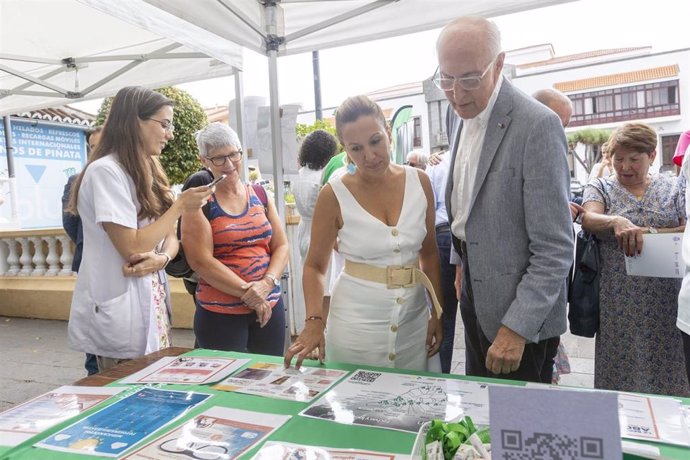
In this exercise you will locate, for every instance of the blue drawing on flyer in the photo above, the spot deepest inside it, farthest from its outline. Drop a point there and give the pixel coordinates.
(118, 427)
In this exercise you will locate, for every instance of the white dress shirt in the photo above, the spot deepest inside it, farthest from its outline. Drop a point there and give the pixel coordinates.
(467, 162)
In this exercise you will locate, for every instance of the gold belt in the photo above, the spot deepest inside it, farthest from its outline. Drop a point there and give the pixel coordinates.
(394, 276)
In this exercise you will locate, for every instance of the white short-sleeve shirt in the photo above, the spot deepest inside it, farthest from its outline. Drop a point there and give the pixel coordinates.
(110, 313)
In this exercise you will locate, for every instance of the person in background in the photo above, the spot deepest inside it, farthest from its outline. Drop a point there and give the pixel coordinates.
(336, 163)
(563, 107)
(317, 148)
(638, 347)
(438, 175)
(239, 253)
(121, 305)
(683, 316)
(417, 159)
(558, 102)
(682, 148)
(604, 167)
(509, 183)
(72, 225)
(382, 216)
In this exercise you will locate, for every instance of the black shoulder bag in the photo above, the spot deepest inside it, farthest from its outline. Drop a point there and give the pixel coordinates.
(583, 295)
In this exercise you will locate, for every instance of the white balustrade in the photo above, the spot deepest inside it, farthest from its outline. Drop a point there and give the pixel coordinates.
(25, 258)
(39, 258)
(66, 257)
(35, 253)
(12, 257)
(53, 259)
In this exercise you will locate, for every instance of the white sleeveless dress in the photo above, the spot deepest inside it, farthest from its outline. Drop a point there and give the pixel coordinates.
(368, 323)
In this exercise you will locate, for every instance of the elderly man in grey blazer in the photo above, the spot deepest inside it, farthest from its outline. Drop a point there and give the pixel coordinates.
(508, 193)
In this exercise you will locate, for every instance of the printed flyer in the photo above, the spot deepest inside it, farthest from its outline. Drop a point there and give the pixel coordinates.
(284, 451)
(30, 418)
(401, 402)
(647, 418)
(189, 370)
(218, 433)
(274, 381)
(118, 427)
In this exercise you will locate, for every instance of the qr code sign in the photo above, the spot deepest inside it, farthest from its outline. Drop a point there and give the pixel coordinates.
(365, 376)
(547, 446)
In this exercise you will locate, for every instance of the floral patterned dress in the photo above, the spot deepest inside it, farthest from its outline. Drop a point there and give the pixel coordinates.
(638, 347)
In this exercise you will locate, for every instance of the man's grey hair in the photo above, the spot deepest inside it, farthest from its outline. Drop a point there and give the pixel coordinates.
(493, 34)
(216, 135)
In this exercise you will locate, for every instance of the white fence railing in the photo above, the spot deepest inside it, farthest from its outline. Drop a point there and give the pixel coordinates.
(45, 252)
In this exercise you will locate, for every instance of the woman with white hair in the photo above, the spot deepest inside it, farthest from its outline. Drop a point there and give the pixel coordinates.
(239, 253)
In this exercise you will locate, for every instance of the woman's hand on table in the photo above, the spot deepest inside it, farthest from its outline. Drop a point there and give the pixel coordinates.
(312, 336)
(628, 235)
(434, 335)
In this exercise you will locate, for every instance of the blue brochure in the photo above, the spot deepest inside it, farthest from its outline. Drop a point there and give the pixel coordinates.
(120, 426)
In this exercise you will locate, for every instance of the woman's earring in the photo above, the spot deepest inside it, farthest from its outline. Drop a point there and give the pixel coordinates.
(351, 168)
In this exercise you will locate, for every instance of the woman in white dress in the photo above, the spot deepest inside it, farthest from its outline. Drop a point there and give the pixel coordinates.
(382, 216)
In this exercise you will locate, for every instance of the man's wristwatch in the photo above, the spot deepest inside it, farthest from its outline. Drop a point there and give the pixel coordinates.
(653, 230)
(273, 278)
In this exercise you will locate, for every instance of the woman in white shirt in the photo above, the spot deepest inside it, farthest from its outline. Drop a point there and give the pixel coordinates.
(121, 304)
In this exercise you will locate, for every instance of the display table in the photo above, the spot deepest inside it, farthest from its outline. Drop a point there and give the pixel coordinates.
(298, 429)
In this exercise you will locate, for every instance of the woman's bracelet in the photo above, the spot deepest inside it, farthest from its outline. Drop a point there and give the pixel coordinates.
(315, 317)
(167, 258)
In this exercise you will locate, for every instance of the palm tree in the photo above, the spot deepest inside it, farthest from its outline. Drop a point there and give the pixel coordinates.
(592, 139)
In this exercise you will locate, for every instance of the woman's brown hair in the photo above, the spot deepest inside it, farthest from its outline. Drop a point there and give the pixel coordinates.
(354, 107)
(635, 137)
(122, 137)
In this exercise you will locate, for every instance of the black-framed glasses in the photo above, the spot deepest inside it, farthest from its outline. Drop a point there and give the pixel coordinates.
(221, 160)
(165, 124)
(447, 83)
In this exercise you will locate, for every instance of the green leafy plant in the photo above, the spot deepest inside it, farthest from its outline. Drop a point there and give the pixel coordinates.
(592, 139)
(180, 158)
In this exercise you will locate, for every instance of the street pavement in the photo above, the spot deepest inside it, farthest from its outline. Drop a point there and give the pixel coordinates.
(36, 358)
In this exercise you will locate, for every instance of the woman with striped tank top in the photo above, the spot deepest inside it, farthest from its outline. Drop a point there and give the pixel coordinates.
(239, 253)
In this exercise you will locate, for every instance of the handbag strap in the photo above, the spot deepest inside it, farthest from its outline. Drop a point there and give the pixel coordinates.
(605, 193)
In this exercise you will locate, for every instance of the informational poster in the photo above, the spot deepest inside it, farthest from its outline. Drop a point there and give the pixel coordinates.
(122, 425)
(652, 418)
(218, 433)
(264, 147)
(646, 418)
(401, 402)
(661, 257)
(274, 381)
(30, 418)
(45, 156)
(284, 451)
(191, 370)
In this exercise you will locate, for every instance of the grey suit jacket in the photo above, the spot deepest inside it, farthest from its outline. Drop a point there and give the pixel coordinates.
(519, 234)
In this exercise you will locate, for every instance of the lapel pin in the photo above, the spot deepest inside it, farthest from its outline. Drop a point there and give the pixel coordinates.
(501, 125)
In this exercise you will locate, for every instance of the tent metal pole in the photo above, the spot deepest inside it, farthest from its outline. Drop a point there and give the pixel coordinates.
(239, 116)
(276, 137)
(14, 214)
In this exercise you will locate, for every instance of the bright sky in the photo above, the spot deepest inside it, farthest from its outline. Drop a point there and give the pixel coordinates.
(575, 27)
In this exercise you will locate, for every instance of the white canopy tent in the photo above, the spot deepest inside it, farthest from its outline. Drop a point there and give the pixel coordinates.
(282, 27)
(56, 52)
(53, 52)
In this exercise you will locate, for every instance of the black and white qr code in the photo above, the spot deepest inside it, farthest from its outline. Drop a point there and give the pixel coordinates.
(365, 376)
(518, 445)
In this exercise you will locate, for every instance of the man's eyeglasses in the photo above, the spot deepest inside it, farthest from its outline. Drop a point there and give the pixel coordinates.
(221, 160)
(447, 83)
(165, 124)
